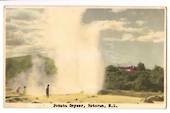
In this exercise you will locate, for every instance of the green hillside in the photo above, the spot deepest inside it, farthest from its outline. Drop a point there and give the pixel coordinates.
(16, 65)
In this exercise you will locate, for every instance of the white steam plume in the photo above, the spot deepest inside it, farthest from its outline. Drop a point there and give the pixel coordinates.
(75, 48)
(77, 53)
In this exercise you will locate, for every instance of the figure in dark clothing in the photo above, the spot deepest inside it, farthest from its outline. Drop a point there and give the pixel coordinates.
(18, 90)
(47, 90)
(24, 91)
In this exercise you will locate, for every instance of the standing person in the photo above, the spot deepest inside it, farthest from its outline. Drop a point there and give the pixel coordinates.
(18, 90)
(47, 90)
(24, 91)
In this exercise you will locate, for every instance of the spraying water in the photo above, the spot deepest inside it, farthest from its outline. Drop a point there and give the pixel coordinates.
(77, 53)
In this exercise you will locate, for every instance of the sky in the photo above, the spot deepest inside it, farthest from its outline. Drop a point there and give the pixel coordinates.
(127, 36)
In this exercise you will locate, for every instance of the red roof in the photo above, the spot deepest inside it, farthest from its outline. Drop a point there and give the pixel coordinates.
(129, 68)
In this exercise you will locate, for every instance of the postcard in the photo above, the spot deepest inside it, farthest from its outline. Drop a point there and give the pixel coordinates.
(84, 57)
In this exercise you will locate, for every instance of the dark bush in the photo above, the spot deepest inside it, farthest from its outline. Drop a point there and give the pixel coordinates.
(141, 79)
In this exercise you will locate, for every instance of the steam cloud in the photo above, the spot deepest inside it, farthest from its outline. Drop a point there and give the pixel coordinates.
(75, 48)
(77, 53)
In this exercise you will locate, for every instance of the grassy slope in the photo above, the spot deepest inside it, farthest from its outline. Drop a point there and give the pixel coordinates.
(17, 65)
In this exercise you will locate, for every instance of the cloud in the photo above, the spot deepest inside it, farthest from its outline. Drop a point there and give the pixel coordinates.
(117, 31)
(150, 18)
(128, 37)
(115, 26)
(22, 50)
(140, 22)
(24, 14)
(100, 14)
(123, 24)
(24, 31)
(123, 37)
(155, 37)
(11, 27)
(23, 25)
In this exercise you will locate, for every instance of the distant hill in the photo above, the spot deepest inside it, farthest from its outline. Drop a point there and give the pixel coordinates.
(16, 65)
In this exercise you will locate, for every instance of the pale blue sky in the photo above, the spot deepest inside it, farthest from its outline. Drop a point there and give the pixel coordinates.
(128, 47)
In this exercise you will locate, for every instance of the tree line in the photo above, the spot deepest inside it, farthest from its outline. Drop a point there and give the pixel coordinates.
(141, 79)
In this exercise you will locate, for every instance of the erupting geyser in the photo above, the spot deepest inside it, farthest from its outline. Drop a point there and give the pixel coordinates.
(74, 46)
(76, 50)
